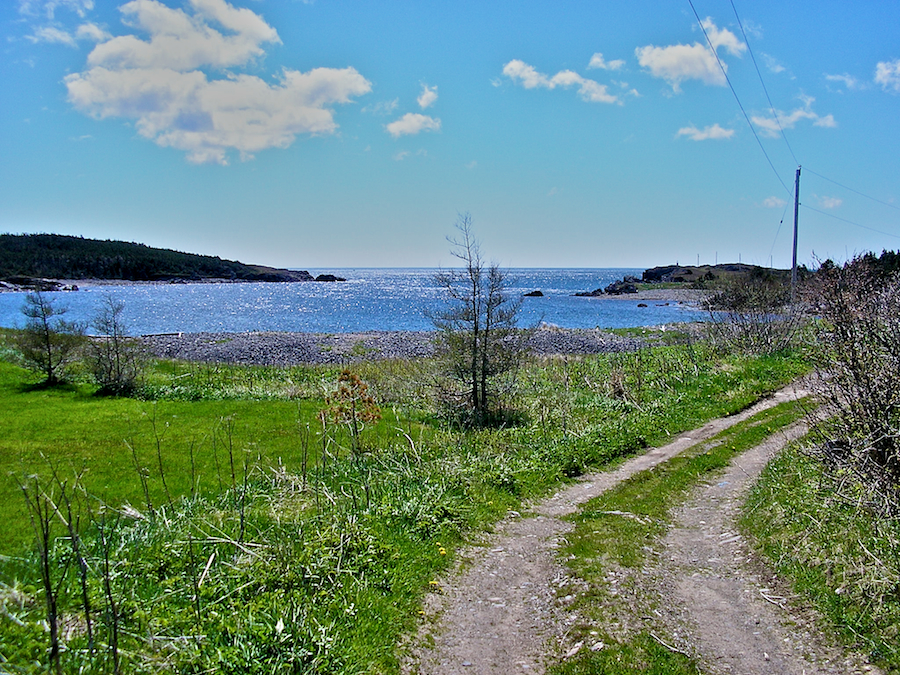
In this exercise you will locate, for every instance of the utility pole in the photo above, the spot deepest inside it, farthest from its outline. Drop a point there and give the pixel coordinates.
(796, 218)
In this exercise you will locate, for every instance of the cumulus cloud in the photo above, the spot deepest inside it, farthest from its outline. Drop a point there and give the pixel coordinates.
(678, 63)
(589, 90)
(158, 83)
(774, 203)
(846, 79)
(597, 61)
(714, 132)
(887, 74)
(427, 97)
(48, 7)
(92, 32)
(182, 42)
(769, 126)
(831, 202)
(403, 154)
(382, 107)
(412, 123)
(51, 35)
(772, 64)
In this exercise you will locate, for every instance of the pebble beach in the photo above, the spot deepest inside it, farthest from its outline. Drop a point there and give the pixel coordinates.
(289, 349)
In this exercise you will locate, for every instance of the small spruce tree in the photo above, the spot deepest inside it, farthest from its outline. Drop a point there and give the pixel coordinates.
(48, 343)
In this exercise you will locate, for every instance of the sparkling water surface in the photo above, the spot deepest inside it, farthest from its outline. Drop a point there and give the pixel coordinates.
(370, 299)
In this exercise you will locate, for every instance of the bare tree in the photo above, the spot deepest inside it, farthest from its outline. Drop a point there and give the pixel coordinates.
(116, 359)
(42, 510)
(477, 331)
(858, 339)
(754, 315)
(48, 343)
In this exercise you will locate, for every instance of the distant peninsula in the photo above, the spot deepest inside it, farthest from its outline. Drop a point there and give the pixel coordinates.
(25, 257)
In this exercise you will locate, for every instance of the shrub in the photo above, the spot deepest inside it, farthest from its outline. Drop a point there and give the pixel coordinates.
(48, 343)
(754, 315)
(116, 360)
(858, 337)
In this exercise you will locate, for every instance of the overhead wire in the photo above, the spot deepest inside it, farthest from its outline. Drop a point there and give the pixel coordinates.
(849, 222)
(861, 194)
(737, 98)
(783, 134)
(791, 150)
(778, 231)
(762, 82)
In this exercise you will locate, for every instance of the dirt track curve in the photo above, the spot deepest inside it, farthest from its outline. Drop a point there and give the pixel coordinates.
(499, 612)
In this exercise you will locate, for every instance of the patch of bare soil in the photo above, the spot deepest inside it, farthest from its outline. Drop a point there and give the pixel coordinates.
(499, 612)
(734, 614)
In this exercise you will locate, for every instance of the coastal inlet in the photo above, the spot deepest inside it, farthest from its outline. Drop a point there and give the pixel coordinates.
(369, 300)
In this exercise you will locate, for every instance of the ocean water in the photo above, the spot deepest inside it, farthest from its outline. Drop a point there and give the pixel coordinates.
(370, 299)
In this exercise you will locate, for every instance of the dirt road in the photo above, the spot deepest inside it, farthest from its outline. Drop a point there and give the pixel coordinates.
(500, 611)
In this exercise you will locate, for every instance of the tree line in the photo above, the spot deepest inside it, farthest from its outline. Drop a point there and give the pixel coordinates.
(57, 256)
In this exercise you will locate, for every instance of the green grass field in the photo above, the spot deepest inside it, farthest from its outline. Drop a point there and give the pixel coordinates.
(76, 431)
(326, 574)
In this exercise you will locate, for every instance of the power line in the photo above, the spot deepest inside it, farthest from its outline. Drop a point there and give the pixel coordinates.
(762, 82)
(736, 98)
(778, 231)
(850, 222)
(861, 194)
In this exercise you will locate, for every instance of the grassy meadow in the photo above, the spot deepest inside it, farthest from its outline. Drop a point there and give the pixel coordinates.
(284, 570)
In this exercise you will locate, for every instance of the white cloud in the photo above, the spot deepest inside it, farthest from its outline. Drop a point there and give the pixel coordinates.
(714, 132)
(413, 123)
(774, 203)
(427, 97)
(846, 79)
(770, 125)
(403, 154)
(382, 107)
(91, 31)
(831, 202)
(472, 164)
(677, 63)
(157, 83)
(52, 35)
(887, 74)
(772, 64)
(48, 7)
(588, 90)
(597, 61)
(182, 42)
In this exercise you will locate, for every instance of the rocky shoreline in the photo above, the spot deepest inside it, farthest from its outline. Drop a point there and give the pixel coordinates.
(288, 349)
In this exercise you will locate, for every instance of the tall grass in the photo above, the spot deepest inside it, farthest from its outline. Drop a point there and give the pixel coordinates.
(844, 558)
(321, 570)
(613, 537)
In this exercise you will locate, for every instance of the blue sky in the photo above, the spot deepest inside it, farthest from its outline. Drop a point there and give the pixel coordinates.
(330, 133)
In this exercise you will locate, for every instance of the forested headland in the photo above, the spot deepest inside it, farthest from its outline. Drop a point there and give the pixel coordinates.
(56, 256)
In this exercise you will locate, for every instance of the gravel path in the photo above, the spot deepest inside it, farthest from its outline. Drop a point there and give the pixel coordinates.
(500, 613)
(739, 618)
(286, 349)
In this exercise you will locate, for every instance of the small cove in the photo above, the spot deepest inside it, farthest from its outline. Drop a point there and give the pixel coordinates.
(374, 299)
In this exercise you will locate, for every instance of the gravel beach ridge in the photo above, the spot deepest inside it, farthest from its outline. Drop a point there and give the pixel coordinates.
(288, 349)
